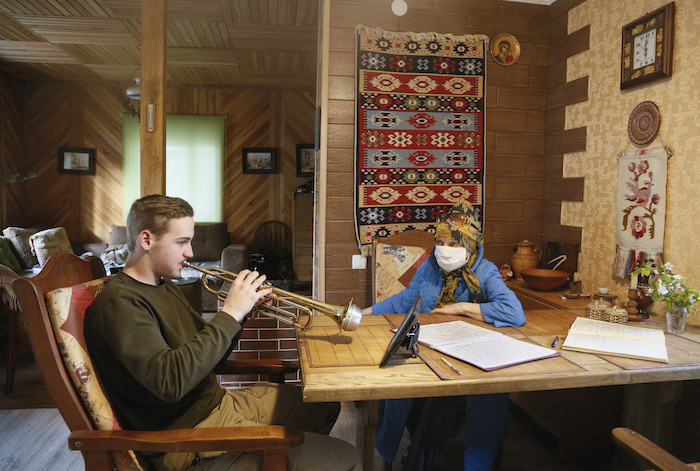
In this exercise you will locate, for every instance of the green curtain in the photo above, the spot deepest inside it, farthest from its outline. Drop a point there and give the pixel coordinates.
(193, 164)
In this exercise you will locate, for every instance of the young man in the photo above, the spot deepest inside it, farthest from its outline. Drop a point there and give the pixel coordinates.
(154, 354)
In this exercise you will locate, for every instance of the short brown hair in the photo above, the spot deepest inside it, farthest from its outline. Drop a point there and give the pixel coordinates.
(153, 213)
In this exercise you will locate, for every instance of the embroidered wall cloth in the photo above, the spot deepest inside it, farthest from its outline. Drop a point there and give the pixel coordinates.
(641, 209)
(419, 128)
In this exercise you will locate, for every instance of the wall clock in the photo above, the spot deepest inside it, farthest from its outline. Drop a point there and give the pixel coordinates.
(647, 47)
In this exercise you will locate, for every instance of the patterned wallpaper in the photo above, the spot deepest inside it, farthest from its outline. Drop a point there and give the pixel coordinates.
(606, 115)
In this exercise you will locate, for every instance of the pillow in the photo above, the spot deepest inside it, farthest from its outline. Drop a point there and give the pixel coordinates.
(394, 268)
(48, 242)
(67, 307)
(7, 256)
(19, 237)
(210, 239)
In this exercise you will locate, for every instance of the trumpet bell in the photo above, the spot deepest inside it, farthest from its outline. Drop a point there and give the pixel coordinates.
(351, 319)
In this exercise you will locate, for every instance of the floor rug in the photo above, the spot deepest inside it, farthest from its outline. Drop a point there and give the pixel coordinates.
(419, 128)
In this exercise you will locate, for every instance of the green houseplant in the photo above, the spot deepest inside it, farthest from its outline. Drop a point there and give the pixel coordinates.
(664, 285)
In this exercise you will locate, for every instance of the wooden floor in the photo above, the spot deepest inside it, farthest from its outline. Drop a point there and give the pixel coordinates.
(33, 436)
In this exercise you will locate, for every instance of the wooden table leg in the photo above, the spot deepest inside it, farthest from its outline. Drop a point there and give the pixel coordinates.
(367, 416)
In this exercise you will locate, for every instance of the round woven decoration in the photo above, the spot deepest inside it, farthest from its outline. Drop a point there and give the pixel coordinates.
(644, 123)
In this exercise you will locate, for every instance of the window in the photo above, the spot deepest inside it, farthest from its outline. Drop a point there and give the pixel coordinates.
(193, 165)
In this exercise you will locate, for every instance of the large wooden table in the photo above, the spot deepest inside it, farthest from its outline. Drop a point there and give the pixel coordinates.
(343, 366)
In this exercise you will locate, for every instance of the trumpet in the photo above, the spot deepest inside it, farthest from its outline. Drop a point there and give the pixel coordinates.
(347, 317)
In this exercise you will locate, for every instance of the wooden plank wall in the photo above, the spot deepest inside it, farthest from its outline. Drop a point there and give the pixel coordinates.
(90, 116)
(515, 125)
(560, 94)
(12, 150)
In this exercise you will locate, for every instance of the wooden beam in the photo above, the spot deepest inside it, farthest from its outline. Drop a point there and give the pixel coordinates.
(153, 84)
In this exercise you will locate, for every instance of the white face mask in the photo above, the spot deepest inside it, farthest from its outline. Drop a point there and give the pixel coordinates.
(450, 258)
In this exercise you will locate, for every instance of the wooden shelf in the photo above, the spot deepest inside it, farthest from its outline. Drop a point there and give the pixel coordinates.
(533, 299)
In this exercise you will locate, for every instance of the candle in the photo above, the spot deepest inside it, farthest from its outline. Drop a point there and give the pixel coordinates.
(633, 284)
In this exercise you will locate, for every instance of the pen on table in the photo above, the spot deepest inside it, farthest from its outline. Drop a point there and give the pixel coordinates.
(556, 341)
(452, 367)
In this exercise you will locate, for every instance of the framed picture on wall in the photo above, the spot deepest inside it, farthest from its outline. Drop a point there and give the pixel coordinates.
(306, 160)
(76, 160)
(259, 160)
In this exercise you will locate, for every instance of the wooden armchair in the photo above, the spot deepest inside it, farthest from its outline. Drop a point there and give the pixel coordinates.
(68, 280)
(647, 453)
(402, 253)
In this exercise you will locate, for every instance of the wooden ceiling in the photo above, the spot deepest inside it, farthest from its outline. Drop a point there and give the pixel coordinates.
(210, 42)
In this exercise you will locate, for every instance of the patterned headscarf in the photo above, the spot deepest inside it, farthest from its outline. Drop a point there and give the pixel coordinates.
(461, 224)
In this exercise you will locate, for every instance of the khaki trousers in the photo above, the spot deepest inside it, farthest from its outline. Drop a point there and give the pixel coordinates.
(270, 404)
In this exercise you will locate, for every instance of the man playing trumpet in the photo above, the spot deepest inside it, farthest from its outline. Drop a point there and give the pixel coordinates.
(154, 354)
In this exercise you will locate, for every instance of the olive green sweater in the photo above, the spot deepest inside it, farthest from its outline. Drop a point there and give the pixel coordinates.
(154, 354)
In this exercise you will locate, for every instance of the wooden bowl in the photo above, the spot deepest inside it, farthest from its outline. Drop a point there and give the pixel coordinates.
(542, 279)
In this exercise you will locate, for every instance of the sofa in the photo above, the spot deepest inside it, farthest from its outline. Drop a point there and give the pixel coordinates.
(27, 249)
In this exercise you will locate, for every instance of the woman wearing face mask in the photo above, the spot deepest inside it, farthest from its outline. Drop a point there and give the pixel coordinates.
(454, 280)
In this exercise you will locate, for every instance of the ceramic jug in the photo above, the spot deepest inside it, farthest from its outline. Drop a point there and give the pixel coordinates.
(525, 256)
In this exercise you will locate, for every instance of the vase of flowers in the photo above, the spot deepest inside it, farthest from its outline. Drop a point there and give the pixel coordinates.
(666, 286)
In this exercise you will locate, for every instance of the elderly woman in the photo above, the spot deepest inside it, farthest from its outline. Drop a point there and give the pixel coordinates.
(454, 280)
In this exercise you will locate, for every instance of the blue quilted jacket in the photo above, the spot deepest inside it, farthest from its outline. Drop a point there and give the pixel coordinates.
(499, 305)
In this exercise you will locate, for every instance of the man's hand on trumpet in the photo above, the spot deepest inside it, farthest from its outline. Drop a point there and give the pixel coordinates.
(244, 294)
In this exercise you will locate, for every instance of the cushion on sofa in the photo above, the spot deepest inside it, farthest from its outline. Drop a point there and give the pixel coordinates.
(209, 240)
(7, 256)
(48, 242)
(19, 237)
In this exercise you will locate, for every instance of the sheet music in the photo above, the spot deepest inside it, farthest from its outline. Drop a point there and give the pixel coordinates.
(445, 333)
(496, 352)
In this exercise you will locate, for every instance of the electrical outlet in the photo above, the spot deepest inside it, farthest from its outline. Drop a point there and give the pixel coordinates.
(359, 262)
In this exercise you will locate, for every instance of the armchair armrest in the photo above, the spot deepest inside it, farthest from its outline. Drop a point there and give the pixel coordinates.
(97, 445)
(265, 437)
(646, 452)
(274, 369)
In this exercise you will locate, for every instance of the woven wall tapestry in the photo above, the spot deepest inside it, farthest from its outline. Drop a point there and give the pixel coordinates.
(419, 128)
(641, 209)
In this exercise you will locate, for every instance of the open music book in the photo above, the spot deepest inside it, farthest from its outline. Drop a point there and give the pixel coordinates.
(483, 348)
(592, 336)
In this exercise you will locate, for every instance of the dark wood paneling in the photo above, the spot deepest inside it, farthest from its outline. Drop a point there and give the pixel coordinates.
(564, 189)
(576, 42)
(564, 141)
(90, 116)
(12, 153)
(569, 93)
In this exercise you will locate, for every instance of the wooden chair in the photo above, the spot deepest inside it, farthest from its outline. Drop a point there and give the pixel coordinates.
(66, 279)
(405, 251)
(273, 240)
(401, 253)
(647, 453)
(272, 234)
